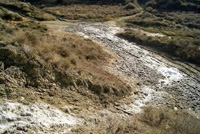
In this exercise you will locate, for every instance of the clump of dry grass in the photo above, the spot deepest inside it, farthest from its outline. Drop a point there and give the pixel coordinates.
(167, 121)
(63, 50)
(113, 124)
(119, 124)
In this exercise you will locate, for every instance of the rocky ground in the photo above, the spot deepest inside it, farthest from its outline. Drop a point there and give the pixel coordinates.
(50, 108)
(36, 118)
(164, 84)
(52, 80)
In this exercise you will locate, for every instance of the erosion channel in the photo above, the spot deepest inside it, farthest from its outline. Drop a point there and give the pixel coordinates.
(163, 82)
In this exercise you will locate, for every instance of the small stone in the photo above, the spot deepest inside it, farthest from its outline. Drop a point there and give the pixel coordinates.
(25, 114)
(136, 93)
(51, 93)
(21, 98)
(21, 129)
(66, 110)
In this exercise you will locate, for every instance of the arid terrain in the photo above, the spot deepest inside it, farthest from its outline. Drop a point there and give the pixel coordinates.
(100, 67)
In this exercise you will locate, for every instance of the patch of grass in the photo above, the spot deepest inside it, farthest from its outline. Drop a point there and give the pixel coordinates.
(180, 19)
(175, 5)
(113, 124)
(90, 12)
(151, 121)
(186, 49)
(77, 62)
(6, 32)
(147, 19)
(26, 9)
(179, 40)
(167, 121)
(63, 50)
(8, 15)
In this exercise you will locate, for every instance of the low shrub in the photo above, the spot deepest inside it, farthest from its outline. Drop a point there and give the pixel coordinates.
(183, 48)
(166, 121)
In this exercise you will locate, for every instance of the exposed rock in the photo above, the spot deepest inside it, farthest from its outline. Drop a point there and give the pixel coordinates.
(36, 118)
(148, 67)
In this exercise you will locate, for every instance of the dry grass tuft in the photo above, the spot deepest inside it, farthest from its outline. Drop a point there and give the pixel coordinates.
(64, 51)
(167, 121)
(113, 124)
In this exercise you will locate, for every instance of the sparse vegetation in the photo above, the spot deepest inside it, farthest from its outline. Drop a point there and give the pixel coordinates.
(183, 5)
(59, 68)
(167, 121)
(178, 39)
(113, 124)
(62, 50)
(151, 121)
(185, 48)
(66, 54)
(91, 12)
(26, 9)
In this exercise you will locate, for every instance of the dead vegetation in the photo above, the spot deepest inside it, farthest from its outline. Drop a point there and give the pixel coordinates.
(63, 51)
(151, 121)
(79, 79)
(26, 9)
(91, 12)
(112, 124)
(76, 63)
(180, 5)
(179, 40)
(165, 121)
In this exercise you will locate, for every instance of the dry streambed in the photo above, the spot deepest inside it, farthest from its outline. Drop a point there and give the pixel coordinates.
(163, 83)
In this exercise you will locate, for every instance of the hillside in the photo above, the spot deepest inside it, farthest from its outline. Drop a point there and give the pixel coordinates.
(177, 21)
(99, 67)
